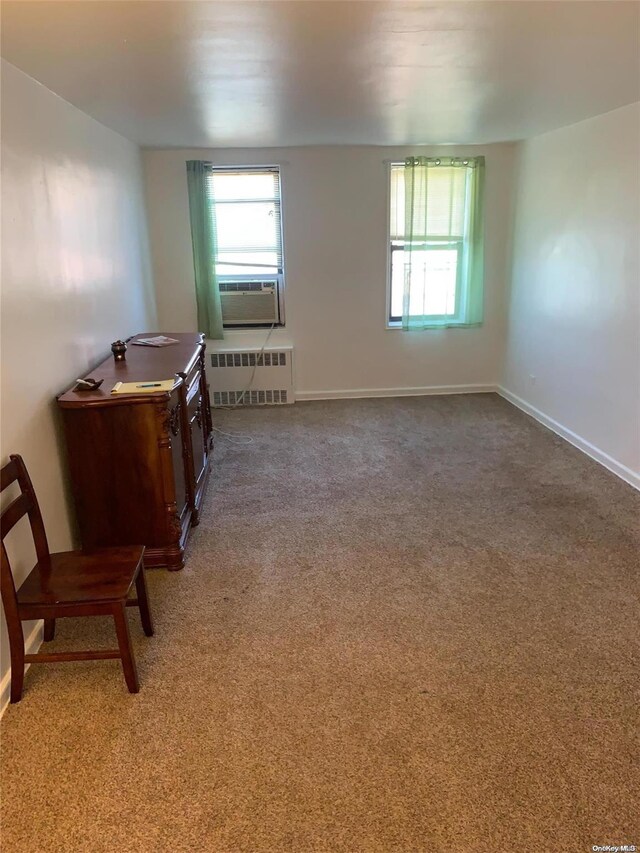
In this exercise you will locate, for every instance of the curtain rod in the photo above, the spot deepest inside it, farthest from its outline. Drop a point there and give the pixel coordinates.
(246, 166)
(400, 162)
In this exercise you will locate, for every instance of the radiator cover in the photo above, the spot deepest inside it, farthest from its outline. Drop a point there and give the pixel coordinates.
(229, 372)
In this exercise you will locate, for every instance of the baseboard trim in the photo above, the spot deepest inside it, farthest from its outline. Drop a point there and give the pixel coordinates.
(31, 645)
(428, 390)
(608, 462)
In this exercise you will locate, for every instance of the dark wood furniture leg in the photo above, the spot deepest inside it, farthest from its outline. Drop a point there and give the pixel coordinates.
(124, 644)
(143, 603)
(49, 629)
(16, 649)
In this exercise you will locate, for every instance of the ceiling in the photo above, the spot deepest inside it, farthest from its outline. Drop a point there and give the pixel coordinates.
(235, 74)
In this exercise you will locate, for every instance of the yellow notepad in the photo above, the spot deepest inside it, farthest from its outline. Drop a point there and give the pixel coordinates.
(149, 387)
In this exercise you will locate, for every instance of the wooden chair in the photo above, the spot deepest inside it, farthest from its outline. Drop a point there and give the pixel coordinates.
(73, 583)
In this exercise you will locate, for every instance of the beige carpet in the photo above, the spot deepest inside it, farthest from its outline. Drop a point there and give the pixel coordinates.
(405, 625)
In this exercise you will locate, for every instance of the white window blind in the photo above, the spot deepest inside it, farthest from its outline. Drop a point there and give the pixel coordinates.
(439, 204)
(246, 212)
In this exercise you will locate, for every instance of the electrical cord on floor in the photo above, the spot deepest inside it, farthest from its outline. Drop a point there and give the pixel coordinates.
(234, 437)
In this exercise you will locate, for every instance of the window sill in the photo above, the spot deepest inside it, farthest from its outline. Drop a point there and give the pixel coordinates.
(395, 327)
(262, 327)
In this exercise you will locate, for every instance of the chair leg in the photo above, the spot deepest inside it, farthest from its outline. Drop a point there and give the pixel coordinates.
(49, 630)
(16, 649)
(143, 603)
(124, 644)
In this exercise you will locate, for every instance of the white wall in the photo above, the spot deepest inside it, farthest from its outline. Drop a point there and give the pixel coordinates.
(335, 237)
(574, 320)
(75, 276)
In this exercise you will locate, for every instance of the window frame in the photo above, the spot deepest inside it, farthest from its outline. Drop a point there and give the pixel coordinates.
(433, 245)
(392, 322)
(277, 278)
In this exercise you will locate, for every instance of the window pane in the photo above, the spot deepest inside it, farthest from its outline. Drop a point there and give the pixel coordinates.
(246, 207)
(246, 226)
(433, 282)
(260, 264)
(234, 186)
(397, 282)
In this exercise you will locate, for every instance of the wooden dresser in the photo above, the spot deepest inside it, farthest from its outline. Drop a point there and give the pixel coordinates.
(139, 462)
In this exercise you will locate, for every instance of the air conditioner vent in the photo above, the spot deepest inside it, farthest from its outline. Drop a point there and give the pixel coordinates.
(247, 286)
(248, 359)
(249, 303)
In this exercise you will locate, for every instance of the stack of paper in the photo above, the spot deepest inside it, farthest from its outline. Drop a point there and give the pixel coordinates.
(158, 341)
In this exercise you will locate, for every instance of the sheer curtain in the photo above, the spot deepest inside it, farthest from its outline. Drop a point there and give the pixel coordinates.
(203, 237)
(443, 240)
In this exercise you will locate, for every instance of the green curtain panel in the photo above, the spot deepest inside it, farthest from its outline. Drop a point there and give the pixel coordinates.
(443, 242)
(203, 237)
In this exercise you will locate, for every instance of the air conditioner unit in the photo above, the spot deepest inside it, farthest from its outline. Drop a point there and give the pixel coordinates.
(249, 303)
(250, 377)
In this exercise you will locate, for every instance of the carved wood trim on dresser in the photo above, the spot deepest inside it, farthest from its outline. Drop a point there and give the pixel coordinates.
(139, 463)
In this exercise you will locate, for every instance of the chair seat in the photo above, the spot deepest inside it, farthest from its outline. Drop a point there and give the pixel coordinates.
(82, 576)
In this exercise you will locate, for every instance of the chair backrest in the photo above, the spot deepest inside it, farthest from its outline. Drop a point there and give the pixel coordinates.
(25, 504)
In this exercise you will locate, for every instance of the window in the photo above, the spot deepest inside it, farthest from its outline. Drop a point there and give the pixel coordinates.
(245, 204)
(435, 243)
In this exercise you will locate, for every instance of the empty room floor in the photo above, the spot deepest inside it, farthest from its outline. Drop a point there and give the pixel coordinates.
(404, 625)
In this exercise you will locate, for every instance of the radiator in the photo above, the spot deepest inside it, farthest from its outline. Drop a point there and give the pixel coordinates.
(230, 371)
